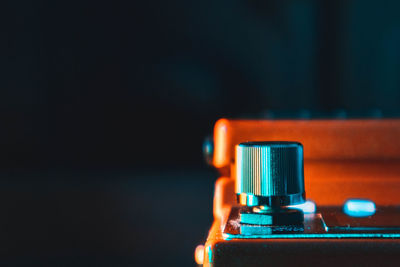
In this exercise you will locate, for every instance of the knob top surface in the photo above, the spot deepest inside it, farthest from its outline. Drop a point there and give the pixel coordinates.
(270, 173)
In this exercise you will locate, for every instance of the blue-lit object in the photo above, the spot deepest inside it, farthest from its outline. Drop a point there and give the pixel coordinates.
(209, 252)
(359, 207)
(307, 207)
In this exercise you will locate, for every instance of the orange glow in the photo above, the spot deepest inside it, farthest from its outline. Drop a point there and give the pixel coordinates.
(343, 158)
(322, 139)
(199, 254)
(221, 143)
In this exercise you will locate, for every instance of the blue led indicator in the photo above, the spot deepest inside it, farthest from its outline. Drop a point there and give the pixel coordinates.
(359, 207)
(307, 207)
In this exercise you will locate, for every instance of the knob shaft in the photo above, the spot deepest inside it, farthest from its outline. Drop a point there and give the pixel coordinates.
(270, 173)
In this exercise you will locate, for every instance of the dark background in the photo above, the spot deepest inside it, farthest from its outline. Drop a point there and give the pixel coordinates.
(104, 107)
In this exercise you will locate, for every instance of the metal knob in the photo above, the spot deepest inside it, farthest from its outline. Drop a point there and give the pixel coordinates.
(270, 174)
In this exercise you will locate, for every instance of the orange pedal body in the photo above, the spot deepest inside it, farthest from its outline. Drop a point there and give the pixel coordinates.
(342, 159)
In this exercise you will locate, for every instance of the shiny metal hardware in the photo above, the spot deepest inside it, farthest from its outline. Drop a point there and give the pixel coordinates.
(270, 174)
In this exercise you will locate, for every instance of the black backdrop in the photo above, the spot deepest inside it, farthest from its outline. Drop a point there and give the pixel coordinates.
(91, 91)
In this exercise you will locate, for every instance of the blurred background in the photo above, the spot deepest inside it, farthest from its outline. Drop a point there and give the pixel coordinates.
(104, 107)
